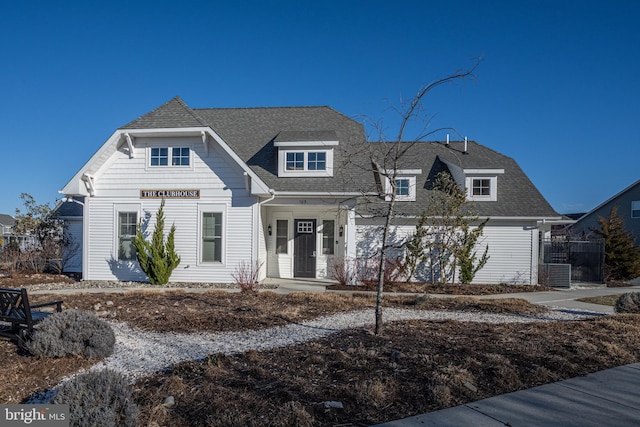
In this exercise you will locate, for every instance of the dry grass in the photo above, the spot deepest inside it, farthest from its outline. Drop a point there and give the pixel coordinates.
(414, 367)
(602, 300)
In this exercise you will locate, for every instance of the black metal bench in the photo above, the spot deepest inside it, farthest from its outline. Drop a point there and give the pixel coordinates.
(17, 316)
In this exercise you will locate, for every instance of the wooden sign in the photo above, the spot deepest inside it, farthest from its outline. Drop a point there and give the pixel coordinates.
(169, 194)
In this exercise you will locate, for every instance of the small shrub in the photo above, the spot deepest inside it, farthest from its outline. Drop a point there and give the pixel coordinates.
(97, 399)
(628, 303)
(395, 270)
(246, 276)
(72, 333)
(343, 271)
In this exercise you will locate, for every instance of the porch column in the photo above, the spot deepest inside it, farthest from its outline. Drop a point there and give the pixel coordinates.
(350, 234)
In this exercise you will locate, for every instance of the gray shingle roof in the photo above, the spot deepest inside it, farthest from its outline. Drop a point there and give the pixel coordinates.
(7, 220)
(172, 114)
(251, 133)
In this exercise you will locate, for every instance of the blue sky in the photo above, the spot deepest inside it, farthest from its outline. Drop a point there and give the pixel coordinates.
(557, 90)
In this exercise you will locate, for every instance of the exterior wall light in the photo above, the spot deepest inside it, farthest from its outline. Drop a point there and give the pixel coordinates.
(269, 229)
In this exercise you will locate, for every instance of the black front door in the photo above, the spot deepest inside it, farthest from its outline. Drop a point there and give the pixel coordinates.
(304, 248)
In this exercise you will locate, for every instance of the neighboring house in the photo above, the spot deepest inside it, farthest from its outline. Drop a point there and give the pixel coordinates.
(7, 223)
(282, 187)
(628, 203)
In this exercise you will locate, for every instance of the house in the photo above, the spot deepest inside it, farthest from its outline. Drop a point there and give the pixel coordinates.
(282, 187)
(7, 222)
(628, 204)
(8, 235)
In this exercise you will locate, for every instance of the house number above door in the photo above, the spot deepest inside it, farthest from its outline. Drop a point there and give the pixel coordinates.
(305, 226)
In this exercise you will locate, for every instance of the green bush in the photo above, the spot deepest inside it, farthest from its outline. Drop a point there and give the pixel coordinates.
(72, 333)
(98, 399)
(628, 303)
(157, 258)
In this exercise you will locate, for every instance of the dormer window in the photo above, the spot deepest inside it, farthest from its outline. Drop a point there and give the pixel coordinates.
(295, 161)
(481, 187)
(405, 186)
(317, 161)
(302, 154)
(306, 161)
(402, 187)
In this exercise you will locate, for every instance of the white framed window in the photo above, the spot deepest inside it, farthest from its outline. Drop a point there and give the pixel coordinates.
(305, 162)
(125, 220)
(328, 236)
(405, 188)
(282, 236)
(402, 187)
(295, 161)
(211, 234)
(316, 160)
(180, 156)
(165, 156)
(635, 209)
(482, 188)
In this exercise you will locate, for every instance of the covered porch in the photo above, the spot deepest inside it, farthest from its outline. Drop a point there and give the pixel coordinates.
(302, 238)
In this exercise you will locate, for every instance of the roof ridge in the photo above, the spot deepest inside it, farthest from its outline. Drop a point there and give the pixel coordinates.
(263, 107)
(191, 111)
(168, 109)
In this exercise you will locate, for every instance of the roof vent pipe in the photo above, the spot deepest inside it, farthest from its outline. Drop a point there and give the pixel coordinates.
(447, 140)
(465, 145)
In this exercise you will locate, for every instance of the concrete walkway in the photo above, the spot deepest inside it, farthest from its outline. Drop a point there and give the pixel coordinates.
(567, 298)
(605, 398)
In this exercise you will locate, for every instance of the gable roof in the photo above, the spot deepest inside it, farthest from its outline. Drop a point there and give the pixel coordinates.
(172, 114)
(7, 220)
(611, 199)
(251, 133)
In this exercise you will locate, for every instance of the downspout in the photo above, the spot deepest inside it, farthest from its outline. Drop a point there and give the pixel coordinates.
(256, 254)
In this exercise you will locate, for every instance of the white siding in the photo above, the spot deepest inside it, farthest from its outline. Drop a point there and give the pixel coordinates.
(369, 237)
(221, 183)
(512, 255)
(512, 250)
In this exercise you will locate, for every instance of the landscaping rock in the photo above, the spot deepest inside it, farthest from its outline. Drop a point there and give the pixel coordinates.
(332, 404)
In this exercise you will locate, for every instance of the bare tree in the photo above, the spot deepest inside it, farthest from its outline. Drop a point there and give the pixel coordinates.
(385, 161)
(444, 235)
(40, 235)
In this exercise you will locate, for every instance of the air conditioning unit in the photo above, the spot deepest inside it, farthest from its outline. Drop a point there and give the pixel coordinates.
(555, 275)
